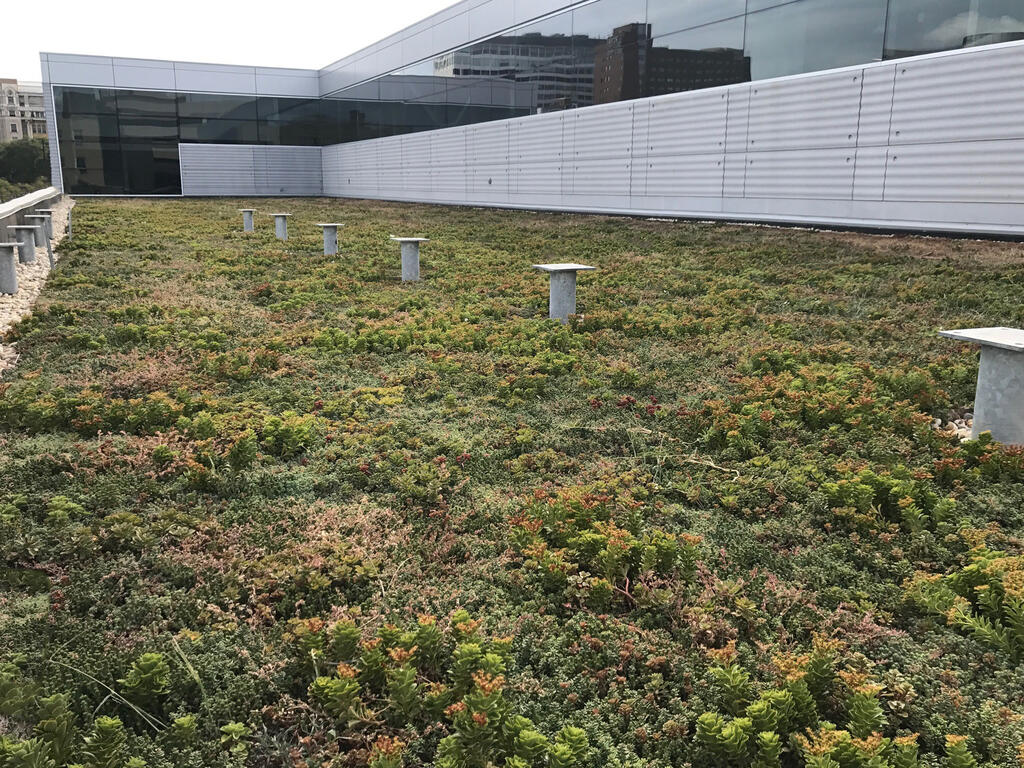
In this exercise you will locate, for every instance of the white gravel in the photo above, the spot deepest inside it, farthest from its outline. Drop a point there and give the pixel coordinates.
(31, 279)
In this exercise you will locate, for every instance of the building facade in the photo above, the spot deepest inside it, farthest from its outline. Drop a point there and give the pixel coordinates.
(22, 115)
(877, 113)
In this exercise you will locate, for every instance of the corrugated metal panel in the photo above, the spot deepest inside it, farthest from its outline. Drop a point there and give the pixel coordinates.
(415, 165)
(233, 170)
(217, 169)
(685, 176)
(959, 98)
(875, 106)
(737, 118)
(804, 113)
(869, 173)
(690, 126)
(602, 149)
(817, 173)
(487, 143)
(288, 171)
(448, 164)
(641, 146)
(734, 180)
(537, 155)
(975, 172)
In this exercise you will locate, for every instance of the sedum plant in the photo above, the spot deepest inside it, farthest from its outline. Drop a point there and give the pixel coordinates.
(386, 689)
(985, 599)
(767, 729)
(599, 549)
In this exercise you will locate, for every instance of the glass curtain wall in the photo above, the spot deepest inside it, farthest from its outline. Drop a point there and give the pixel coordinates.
(612, 50)
(125, 142)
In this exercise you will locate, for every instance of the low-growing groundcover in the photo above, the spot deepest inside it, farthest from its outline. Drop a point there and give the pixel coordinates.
(264, 507)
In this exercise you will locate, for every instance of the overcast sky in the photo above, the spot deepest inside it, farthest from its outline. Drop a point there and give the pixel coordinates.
(296, 33)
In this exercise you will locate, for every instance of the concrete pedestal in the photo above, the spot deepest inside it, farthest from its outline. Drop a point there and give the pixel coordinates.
(562, 301)
(41, 219)
(999, 399)
(26, 243)
(8, 268)
(247, 222)
(410, 257)
(49, 224)
(42, 224)
(281, 225)
(330, 238)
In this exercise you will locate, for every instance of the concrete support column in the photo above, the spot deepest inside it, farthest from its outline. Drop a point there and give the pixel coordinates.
(247, 222)
(281, 225)
(410, 257)
(42, 223)
(8, 268)
(26, 243)
(44, 219)
(49, 223)
(999, 399)
(330, 238)
(562, 301)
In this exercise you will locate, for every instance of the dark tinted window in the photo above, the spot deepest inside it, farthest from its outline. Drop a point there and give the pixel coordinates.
(147, 103)
(272, 108)
(85, 101)
(218, 131)
(217, 106)
(147, 128)
(92, 167)
(151, 168)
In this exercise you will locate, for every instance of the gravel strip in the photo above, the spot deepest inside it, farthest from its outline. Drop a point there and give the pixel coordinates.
(31, 279)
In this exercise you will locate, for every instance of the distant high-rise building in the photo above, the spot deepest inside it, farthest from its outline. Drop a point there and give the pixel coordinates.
(561, 67)
(21, 110)
(629, 66)
(620, 64)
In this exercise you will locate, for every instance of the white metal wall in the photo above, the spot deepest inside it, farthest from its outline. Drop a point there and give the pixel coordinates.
(236, 171)
(935, 142)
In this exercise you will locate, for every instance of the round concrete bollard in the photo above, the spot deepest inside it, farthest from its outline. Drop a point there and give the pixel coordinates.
(26, 243)
(247, 221)
(281, 225)
(410, 257)
(330, 238)
(562, 301)
(8, 268)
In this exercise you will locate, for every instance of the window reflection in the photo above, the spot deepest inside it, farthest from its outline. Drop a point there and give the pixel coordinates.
(813, 35)
(668, 16)
(926, 26)
(631, 64)
(545, 58)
